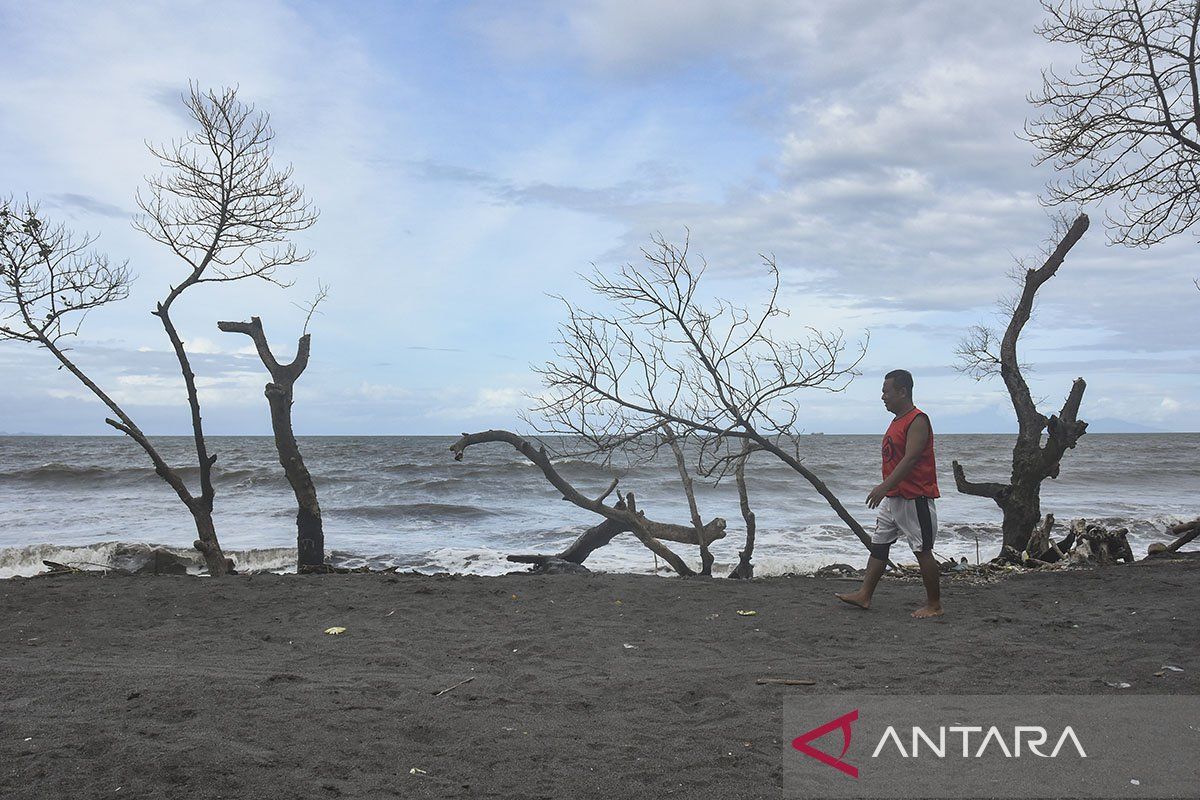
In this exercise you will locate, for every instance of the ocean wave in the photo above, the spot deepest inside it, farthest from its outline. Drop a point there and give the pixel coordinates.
(423, 511)
(56, 472)
(116, 555)
(90, 475)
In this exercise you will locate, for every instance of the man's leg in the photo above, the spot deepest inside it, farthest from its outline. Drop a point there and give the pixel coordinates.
(875, 568)
(933, 592)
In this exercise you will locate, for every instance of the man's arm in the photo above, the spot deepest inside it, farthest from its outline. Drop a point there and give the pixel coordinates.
(914, 445)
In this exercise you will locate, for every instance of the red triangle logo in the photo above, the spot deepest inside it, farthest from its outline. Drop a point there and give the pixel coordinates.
(801, 743)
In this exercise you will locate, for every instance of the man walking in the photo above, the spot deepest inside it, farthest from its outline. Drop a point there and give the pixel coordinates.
(905, 499)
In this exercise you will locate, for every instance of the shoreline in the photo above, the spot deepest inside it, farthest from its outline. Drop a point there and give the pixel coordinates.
(582, 685)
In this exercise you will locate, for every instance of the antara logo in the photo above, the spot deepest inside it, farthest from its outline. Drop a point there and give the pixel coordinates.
(801, 743)
(1034, 737)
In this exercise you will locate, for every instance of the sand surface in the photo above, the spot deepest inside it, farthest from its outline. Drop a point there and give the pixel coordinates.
(583, 686)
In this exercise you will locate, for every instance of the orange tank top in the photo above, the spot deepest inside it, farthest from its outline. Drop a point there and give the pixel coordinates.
(922, 480)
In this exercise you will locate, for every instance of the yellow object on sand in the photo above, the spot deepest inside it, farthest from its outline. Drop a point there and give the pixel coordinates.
(335, 630)
(747, 613)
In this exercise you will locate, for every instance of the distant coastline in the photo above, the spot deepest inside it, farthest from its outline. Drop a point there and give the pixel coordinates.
(1099, 426)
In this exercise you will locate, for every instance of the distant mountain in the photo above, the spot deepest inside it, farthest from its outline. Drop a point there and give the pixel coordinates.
(1109, 425)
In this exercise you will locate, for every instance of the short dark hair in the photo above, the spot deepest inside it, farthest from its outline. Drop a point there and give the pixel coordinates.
(901, 378)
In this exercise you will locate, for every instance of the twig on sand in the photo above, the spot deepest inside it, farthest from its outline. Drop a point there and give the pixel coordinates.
(786, 682)
(455, 686)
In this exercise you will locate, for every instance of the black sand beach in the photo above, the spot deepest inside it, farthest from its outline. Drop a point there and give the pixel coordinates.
(583, 686)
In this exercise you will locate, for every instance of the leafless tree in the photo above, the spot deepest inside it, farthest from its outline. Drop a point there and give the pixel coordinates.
(222, 209)
(1125, 123)
(50, 285)
(226, 212)
(983, 353)
(714, 373)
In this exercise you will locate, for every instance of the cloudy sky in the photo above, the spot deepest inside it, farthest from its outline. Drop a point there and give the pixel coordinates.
(471, 159)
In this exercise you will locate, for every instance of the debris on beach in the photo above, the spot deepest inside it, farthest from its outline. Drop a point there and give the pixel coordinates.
(746, 613)
(336, 630)
(1085, 545)
(836, 570)
(1186, 531)
(455, 686)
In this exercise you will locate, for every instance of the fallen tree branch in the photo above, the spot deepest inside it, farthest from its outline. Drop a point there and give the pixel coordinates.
(648, 532)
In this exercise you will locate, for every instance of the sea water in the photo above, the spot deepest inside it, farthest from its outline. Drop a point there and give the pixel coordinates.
(405, 502)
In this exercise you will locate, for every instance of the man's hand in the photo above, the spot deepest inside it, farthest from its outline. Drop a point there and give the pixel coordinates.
(876, 496)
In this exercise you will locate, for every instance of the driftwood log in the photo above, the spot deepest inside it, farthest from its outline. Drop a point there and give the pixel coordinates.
(1186, 531)
(310, 534)
(1100, 546)
(1032, 462)
(620, 517)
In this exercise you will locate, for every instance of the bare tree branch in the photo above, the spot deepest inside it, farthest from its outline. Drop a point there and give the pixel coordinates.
(1124, 123)
(624, 513)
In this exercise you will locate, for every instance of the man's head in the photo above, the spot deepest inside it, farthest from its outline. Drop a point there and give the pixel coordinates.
(897, 390)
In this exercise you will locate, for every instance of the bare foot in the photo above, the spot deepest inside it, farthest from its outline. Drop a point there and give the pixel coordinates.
(854, 599)
(928, 610)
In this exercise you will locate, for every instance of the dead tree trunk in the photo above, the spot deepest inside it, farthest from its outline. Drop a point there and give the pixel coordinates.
(624, 513)
(310, 535)
(744, 568)
(706, 557)
(1032, 462)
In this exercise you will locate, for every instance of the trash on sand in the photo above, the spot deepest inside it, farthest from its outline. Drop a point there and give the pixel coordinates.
(335, 630)
(417, 771)
(742, 613)
(1173, 669)
(455, 686)
(1118, 684)
(628, 646)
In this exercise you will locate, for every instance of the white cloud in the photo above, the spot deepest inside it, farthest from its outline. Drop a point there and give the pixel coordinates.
(868, 145)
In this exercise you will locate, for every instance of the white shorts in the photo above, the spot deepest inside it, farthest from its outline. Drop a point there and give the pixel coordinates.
(914, 519)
